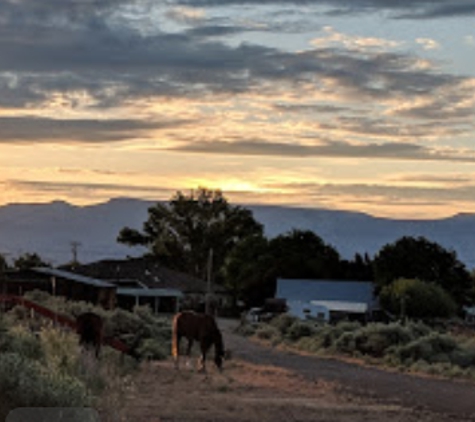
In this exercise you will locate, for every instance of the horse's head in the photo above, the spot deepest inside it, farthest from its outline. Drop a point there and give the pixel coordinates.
(220, 352)
(218, 360)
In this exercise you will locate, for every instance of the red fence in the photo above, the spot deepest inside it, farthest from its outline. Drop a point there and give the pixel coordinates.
(58, 318)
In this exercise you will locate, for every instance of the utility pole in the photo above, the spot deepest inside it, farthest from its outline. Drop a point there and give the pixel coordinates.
(74, 250)
(208, 287)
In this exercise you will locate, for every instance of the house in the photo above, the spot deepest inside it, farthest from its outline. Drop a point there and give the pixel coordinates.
(146, 281)
(60, 283)
(328, 300)
(122, 283)
(18, 282)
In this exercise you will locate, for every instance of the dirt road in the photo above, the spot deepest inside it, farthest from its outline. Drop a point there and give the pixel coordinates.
(264, 384)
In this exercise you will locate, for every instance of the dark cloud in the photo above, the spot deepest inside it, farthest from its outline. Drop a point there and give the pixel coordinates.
(395, 128)
(310, 108)
(114, 63)
(215, 30)
(394, 151)
(434, 178)
(68, 188)
(405, 9)
(34, 129)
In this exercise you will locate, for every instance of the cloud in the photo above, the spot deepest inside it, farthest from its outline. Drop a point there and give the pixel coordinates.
(218, 30)
(49, 50)
(381, 195)
(405, 9)
(428, 44)
(86, 190)
(392, 151)
(186, 15)
(445, 179)
(403, 193)
(85, 49)
(335, 38)
(35, 129)
(310, 108)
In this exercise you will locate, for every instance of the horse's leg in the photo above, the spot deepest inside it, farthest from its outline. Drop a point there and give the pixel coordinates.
(188, 351)
(204, 349)
(176, 350)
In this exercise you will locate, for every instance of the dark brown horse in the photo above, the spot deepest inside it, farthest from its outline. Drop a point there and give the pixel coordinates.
(90, 328)
(201, 328)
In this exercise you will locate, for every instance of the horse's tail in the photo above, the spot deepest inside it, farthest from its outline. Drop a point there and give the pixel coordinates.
(175, 337)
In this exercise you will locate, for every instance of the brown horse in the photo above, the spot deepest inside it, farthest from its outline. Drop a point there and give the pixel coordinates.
(199, 327)
(90, 327)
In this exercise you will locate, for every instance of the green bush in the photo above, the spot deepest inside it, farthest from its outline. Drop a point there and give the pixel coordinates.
(463, 357)
(430, 348)
(310, 344)
(21, 341)
(299, 329)
(27, 383)
(329, 334)
(268, 332)
(150, 348)
(413, 346)
(375, 339)
(283, 322)
(346, 343)
(417, 299)
(51, 370)
(133, 328)
(61, 351)
(247, 329)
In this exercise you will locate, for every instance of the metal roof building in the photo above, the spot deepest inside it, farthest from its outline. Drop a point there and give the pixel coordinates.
(73, 277)
(335, 297)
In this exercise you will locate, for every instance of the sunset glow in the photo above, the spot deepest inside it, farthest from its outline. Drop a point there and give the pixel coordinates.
(355, 105)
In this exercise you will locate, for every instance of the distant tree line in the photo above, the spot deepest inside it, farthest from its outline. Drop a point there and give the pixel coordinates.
(203, 234)
(23, 262)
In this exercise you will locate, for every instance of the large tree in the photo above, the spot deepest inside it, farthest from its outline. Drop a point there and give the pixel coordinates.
(187, 230)
(252, 269)
(249, 271)
(304, 254)
(419, 258)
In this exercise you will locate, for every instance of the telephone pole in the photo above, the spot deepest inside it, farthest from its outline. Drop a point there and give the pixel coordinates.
(208, 287)
(74, 250)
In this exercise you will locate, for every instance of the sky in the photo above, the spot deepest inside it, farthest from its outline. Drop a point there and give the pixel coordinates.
(362, 105)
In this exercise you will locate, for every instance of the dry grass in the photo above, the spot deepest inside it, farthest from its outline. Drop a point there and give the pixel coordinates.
(246, 392)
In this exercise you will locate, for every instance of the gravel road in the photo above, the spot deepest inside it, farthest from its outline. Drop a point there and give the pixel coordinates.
(450, 398)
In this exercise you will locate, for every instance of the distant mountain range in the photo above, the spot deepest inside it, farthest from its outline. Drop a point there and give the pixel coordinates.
(49, 229)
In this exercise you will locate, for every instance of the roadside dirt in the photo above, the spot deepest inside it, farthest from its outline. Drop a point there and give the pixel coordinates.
(264, 384)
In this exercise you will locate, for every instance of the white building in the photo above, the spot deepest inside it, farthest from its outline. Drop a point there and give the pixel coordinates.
(328, 300)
